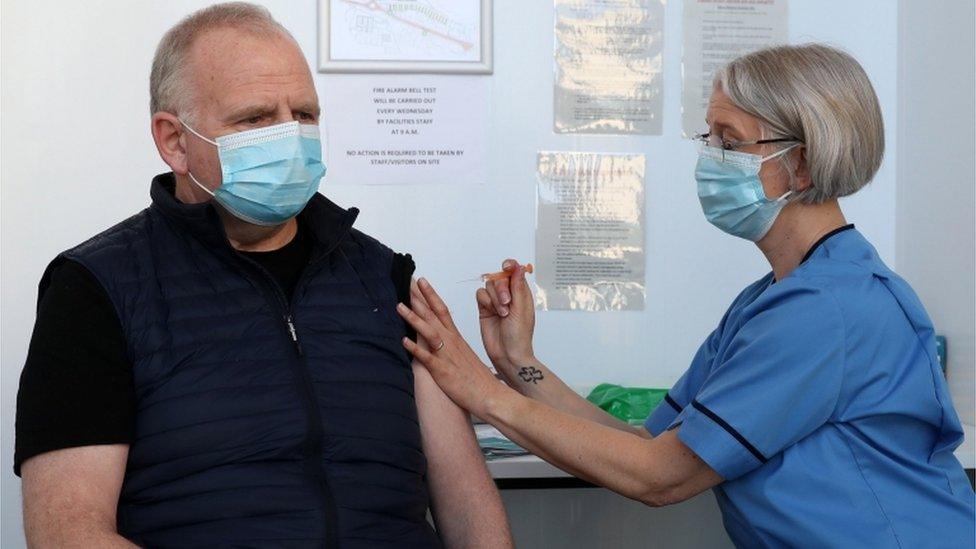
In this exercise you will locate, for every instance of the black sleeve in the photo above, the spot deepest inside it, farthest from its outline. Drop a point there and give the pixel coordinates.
(76, 387)
(401, 273)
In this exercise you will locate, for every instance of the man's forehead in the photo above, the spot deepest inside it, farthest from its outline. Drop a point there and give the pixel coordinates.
(228, 63)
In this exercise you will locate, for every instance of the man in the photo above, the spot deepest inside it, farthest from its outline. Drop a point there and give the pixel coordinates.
(220, 369)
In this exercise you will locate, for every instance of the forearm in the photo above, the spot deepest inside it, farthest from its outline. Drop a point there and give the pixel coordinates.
(635, 467)
(536, 381)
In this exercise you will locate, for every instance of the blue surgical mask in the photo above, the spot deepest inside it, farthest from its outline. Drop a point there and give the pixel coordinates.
(269, 174)
(732, 195)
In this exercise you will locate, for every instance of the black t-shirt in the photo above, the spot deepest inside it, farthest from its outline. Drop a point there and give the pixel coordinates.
(76, 388)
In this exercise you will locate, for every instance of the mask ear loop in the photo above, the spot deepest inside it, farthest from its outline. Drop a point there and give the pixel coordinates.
(789, 192)
(196, 133)
(188, 172)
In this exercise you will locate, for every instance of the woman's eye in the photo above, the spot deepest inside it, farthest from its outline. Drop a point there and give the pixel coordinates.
(306, 116)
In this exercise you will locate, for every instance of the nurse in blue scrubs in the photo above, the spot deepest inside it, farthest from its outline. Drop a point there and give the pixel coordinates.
(816, 411)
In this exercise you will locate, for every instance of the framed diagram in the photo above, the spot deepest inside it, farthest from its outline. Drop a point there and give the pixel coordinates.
(405, 36)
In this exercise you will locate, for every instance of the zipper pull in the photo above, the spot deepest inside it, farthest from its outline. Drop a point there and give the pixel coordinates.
(290, 323)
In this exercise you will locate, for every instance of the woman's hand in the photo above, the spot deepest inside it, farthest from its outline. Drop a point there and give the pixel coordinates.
(507, 313)
(449, 359)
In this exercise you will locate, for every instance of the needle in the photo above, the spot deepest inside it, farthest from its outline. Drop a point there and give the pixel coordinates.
(496, 276)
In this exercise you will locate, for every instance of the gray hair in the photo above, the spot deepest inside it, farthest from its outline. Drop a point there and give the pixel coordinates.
(169, 88)
(820, 96)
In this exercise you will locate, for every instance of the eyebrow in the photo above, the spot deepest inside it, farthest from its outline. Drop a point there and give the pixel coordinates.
(249, 112)
(722, 126)
(312, 108)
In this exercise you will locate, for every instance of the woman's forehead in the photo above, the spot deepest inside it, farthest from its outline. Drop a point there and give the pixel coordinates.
(722, 113)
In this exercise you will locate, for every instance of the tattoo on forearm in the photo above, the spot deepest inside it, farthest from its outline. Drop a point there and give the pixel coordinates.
(531, 374)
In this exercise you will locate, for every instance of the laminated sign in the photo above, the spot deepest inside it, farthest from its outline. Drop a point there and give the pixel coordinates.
(590, 231)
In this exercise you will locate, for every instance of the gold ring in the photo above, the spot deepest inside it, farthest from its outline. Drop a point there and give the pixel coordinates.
(439, 347)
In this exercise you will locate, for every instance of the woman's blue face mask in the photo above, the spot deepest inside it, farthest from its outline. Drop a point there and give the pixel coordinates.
(268, 174)
(732, 195)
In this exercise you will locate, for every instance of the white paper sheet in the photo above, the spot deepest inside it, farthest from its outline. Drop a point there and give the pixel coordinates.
(590, 231)
(608, 57)
(405, 30)
(406, 129)
(715, 32)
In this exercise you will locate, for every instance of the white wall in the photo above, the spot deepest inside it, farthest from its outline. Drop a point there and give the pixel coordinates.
(78, 157)
(936, 232)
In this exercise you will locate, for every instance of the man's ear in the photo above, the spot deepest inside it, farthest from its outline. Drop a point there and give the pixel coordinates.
(801, 170)
(167, 131)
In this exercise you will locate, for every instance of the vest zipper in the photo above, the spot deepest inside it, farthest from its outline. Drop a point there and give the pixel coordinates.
(316, 434)
(290, 322)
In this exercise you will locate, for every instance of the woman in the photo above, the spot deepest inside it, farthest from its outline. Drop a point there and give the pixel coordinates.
(816, 409)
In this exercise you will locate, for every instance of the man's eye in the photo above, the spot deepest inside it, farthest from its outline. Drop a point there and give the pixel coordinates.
(306, 116)
(252, 120)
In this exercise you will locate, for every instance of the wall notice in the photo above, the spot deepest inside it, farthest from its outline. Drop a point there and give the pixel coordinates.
(406, 129)
(590, 231)
(608, 57)
(715, 32)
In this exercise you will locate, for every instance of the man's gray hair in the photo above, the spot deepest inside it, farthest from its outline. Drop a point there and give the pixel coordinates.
(169, 87)
(818, 95)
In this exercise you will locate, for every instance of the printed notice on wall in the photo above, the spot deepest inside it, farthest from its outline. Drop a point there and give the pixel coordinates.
(406, 129)
(608, 57)
(715, 32)
(590, 232)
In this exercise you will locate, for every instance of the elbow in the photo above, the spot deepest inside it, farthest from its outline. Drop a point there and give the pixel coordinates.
(655, 495)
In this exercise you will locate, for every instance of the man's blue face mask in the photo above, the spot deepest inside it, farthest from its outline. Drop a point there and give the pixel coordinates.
(732, 195)
(268, 174)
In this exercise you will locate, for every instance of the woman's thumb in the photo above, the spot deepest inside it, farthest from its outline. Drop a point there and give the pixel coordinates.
(521, 293)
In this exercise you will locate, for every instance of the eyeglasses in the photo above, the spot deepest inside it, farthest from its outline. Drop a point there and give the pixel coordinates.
(718, 142)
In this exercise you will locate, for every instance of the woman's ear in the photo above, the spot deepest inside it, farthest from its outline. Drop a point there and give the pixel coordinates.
(801, 170)
(167, 132)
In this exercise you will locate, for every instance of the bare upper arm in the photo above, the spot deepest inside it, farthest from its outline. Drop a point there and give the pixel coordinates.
(465, 503)
(72, 492)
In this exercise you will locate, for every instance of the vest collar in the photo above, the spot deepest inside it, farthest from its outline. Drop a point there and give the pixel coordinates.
(328, 222)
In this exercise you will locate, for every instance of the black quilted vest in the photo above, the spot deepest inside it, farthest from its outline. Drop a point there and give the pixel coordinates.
(262, 421)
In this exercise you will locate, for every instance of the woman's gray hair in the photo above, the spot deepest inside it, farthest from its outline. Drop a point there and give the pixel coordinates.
(820, 96)
(169, 85)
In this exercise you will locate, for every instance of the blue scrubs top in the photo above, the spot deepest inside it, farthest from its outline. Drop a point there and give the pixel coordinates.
(820, 400)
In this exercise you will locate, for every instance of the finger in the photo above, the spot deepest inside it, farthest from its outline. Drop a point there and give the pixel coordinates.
(422, 355)
(415, 294)
(502, 290)
(422, 308)
(485, 307)
(437, 304)
(423, 327)
(502, 310)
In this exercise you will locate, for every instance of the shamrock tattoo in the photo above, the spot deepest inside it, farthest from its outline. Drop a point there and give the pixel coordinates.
(530, 374)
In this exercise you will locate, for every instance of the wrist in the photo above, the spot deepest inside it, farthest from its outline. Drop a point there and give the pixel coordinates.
(501, 363)
(499, 403)
(520, 359)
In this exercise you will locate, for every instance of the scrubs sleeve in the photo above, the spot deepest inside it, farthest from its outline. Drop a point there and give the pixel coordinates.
(684, 390)
(778, 381)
